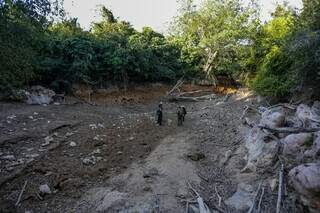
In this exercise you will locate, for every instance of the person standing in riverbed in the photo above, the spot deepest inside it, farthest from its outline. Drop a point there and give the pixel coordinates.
(159, 114)
(180, 115)
(184, 112)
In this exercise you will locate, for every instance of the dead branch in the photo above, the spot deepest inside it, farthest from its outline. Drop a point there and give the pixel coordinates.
(290, 130)
(203, 208)
(289, 106)
(187, 207)
(255, 199)
(192, 99)
(280, 189)
(261, 196)
(193, 92)
(248, 122)
(176, 86)
(245, 111)
(20, 195)
(219, 197)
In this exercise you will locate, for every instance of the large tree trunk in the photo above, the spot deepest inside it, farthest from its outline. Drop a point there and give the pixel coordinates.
(208, 67)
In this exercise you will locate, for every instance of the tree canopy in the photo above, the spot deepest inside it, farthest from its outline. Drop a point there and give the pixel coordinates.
(40, 45)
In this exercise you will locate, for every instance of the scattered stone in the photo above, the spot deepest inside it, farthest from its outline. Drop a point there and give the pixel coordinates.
(47, 140)
(89, 161)
(72, 144)
(93, 126)
(196, 156)
(68, 134)
(44, 189)
(11, 117)
(305, 179)
(119, 153)
(131, 138)
(39, 95)
(97, 151)
(242, 199)
(100, 125)
(303, 113)
(273, 184)
(8, 157)
(105, 200)
(32, 155)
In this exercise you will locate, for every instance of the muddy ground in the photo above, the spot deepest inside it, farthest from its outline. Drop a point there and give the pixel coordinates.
(114, 158)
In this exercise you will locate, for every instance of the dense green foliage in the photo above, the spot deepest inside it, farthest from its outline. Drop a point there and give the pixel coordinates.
(275, 58)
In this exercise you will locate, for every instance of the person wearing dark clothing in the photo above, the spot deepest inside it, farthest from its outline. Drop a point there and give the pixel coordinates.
(180, 116)
(184, 112)
(159, 114)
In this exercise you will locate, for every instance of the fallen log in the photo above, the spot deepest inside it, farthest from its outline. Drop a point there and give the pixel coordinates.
(193, 92)
(289, 106)
(290, 130)
(192, 99)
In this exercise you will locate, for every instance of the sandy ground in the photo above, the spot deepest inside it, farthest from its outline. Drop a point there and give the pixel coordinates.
(132, 164)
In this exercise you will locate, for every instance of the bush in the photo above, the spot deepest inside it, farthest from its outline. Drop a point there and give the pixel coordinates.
(272, 78)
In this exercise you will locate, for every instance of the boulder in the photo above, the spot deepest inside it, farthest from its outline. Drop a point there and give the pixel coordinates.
(272, 118)
(39, 95)
(261, 150)
(314, 151)
(305, 179)
(242, 199)
(296, 143)
(303, 112)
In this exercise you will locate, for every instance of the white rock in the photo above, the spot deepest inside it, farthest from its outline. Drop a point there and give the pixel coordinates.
(73, 144)
(261, 150)
(89, 160)
(314, 151)
(32, 155)
(305, 179)
(97, 151)
(39, 95)
(131, 138)
(44, 189)
(241, 200)
(100, 125)
(68, 134)
(104, 200)
(11, 117)
(48, 139)
(272, 118)
(296, 143)
(273, 184)
(8, 157)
